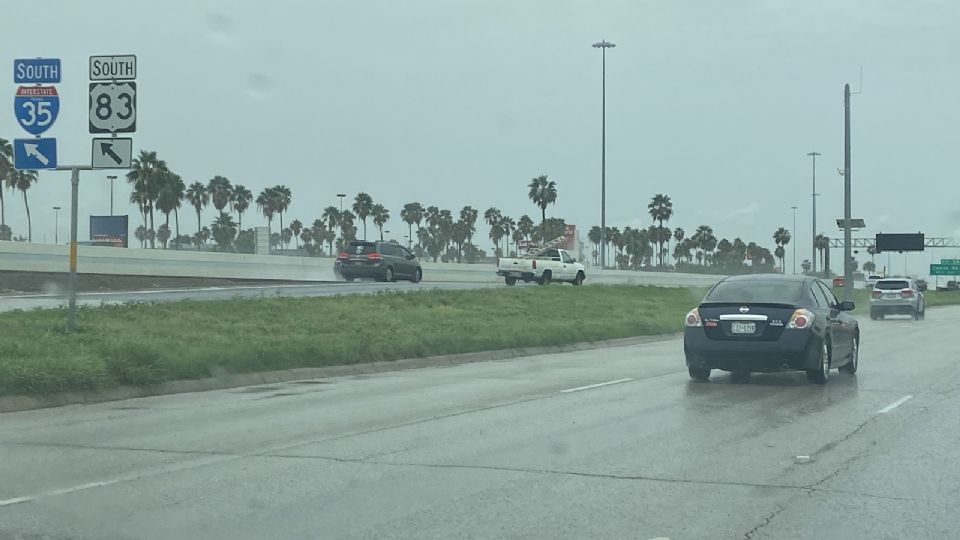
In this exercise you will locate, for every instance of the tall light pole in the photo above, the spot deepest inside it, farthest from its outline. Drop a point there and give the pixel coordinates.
(813, 195)
(603, 46)
(111, 178)
(341, 195)
(56, 220)
(847, 225)
(794, 208)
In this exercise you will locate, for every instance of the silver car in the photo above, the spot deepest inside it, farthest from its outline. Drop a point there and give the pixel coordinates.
(896, 296)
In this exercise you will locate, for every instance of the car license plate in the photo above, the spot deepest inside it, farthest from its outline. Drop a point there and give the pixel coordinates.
(743, 327)
(514, 274)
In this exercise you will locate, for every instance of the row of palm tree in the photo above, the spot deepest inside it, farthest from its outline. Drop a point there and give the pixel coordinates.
(14, 180)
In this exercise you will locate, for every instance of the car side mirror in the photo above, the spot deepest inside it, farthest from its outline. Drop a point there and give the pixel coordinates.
(572, 261)
(846, 305)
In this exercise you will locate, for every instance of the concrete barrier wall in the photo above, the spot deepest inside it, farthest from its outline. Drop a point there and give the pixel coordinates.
(24, 257)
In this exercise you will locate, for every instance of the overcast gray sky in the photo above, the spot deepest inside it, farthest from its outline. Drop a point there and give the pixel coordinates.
(462, 102)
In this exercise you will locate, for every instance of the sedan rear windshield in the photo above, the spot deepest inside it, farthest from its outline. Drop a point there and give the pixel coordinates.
(760, 292)
(892, 285)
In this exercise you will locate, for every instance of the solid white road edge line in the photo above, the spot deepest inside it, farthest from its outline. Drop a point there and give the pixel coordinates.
(598, 385)
(895, 404)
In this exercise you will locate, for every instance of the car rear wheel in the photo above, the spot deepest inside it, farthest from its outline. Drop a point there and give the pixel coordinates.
(417, 276)
(388, 274)
(822, 373)
(349, 278)
(850, 367)
(511, 281)
(577, 281)
(698, 374)
(545, 280)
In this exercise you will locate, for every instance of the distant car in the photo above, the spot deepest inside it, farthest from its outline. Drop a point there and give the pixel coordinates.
(872, 280)
(771, 323)
(383, 261)
(838, 282)
(897, 296)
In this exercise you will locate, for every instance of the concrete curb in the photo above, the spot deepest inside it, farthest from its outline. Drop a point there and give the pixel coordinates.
(10, 404)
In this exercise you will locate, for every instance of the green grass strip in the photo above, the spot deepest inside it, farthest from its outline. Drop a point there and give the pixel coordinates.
(151, 343)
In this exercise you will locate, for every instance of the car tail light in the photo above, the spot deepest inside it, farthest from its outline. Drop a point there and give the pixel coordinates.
(374, 256)
(693, 318)
(906, 293)
(534, 264)
(801, 319)
(344, 255)
(877, 294)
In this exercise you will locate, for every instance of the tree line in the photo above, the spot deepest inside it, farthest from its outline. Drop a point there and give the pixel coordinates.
(637, 248)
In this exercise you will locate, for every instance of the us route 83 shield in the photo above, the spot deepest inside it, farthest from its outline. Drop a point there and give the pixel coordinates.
(113, 107)
(36, 107)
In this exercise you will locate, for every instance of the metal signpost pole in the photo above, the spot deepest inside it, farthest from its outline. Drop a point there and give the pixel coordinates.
(74, 189)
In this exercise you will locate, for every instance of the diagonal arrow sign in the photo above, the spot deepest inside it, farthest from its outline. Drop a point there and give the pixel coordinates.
(32, 151)
(107, 150)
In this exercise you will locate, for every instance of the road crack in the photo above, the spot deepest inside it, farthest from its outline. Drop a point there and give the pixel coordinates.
(766, 521)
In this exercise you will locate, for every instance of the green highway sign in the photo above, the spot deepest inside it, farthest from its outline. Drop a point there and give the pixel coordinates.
(950, 261)
(945, 269)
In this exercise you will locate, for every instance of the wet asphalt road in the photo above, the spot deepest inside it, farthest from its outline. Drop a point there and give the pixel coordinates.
(537, 447)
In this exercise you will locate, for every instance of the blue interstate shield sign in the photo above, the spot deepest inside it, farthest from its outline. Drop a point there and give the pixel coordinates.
(36, 108)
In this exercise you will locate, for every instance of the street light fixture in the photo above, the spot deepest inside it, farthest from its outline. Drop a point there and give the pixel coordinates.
(111, 178)
(603, 46)
(56, 230)
(813, 195)
(794, 208)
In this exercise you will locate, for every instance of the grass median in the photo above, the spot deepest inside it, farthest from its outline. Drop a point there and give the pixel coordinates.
(144, 344)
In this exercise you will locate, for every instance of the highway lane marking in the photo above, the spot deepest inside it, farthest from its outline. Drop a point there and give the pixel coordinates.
(895, 404)
(598, 385)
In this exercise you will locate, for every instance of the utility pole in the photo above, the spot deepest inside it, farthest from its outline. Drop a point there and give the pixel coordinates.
(813, 195)
(847, 225)
(794, 208)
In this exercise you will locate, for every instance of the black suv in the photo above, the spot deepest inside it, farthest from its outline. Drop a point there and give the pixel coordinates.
(384, 261)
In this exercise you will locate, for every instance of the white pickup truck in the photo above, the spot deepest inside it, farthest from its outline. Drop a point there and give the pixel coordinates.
(543, 267)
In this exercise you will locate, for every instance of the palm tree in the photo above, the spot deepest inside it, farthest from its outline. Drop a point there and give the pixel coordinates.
(412, 213)
(822, 243)
(143, 176)
(678, 235)
(458, 234)
(595, 235)
(267, 203)
(468, 215)
(221, 192)
(661, 209)
(242, 197)
(163, 234)
(224, 230)
(496, 234)
(23, 181)
(348, 229)
(782, 238)
(331, 215)
(169, 199)
(140, 234)
(380, 217)
(493, 217)
(543, 192)
(432, 217)
(198, 197)
(283, 198)
(363, 205)
(704, 241)
(806, 266)
(295, 227)
(285, 236)
(509, 226)
(525, 225)
(6, 174)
